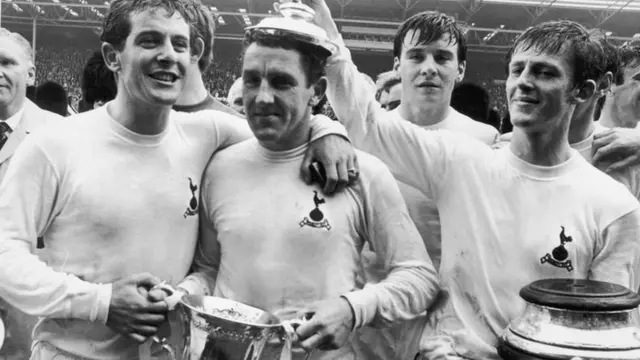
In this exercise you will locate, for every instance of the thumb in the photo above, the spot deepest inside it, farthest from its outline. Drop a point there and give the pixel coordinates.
(145, 280)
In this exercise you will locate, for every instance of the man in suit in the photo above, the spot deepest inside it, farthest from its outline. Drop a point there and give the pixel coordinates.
(18, 117)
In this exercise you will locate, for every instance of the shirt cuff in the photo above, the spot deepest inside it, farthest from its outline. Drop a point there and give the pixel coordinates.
(103, 301)
(364, 303)
(91, 302)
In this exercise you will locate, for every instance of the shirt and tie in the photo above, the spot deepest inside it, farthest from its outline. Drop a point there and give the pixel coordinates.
(7, 126)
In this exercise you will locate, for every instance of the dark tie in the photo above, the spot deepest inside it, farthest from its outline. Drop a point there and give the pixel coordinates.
(5, 129)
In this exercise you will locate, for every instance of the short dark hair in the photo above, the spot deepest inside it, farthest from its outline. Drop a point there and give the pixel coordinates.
(52, 96)
(205, 29)
(471, 100)
(116, 26)
(432, 26)
(98, 83)
(583, 47)
(317, 109)
(314, 58)
(628, 55)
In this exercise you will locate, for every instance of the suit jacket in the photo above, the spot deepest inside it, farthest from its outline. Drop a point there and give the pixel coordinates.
(18, 325)
(32, 118)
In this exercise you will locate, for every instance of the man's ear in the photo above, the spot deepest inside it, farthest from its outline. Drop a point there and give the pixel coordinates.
(604, 85)
(584, 92)
(198, 50)
(462, 68)
(31, 75)
(319, 90)
(111, 57)
(396, 64)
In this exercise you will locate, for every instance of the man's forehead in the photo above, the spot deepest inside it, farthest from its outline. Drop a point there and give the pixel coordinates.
(535, 54)
(271, 57)
(10, 48)
(412, 41)
(155, 19)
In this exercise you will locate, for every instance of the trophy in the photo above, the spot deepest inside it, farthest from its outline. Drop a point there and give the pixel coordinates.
(295, 20)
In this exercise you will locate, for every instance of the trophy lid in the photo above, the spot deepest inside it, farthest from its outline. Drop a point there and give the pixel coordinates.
(295, 20)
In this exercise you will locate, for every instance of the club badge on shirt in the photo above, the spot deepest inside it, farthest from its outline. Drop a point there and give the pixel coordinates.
(316, 218)
(192, 208)
(559, 257)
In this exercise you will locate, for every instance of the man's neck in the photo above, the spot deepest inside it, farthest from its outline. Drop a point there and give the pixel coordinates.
(607, 118)
(194, 91)
(542, 149)
(11, 109)
(143, 119)
(582, 125)
(295, 138)
(424, 114)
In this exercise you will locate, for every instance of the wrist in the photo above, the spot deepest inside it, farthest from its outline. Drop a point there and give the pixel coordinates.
(352, 323)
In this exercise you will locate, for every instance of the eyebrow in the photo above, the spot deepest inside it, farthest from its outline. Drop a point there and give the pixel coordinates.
(158, 33)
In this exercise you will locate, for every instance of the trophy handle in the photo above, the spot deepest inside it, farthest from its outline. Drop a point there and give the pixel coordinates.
(174, 298)
(166, 347)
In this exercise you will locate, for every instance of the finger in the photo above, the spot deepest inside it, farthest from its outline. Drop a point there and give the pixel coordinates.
(603, 140)
(308, 328)
(353, 165)
(343, 176)
(306, 164)
(313, 342)
(159, 307)
(145, 280)
(602, 153)
(603, 134)
(624, 163)
(156, 295)
(138, 338)
(144, 330)
(331, 171)
(151, 319)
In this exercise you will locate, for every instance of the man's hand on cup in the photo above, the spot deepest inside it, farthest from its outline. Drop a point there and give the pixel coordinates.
(329, 327)
(132, 312)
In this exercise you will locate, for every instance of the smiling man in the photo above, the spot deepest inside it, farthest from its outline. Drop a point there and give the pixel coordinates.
(115, 194)
(304, 248)
(504, 212)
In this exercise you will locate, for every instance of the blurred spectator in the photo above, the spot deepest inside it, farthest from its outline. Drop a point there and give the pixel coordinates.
(389, 90)
(98, 83)
(31, 92)
(505, 125)
(472, 100)
(234, 99)
(51, 96)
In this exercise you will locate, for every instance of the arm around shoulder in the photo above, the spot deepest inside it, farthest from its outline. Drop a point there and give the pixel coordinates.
(411, 284)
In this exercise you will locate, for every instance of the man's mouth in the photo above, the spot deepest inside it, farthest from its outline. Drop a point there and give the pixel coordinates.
(526, 100)
(164, 76)
(427, 84)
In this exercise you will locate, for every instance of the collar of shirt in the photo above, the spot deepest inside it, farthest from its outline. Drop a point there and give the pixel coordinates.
(14, 120)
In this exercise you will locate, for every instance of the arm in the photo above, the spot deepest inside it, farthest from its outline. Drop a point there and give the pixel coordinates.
(618, 260)
(206, 260)
(28, 196)
(415, 156)
(329, 145)
(411, 284)
(616, 149)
